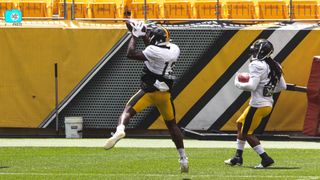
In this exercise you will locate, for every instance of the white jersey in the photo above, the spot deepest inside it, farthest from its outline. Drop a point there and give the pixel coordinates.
(161, 60)
(260, 69)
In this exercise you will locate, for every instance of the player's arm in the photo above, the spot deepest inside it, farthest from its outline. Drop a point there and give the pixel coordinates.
(132, 52)
(281, 85)
(255, 71)
(146, 39)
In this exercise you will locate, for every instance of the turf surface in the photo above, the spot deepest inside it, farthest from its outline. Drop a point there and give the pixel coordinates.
(151, 163)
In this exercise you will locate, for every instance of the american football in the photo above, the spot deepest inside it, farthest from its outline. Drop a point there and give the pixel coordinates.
(243, 77)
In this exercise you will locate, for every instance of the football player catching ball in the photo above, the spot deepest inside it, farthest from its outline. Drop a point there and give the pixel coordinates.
(159, 58)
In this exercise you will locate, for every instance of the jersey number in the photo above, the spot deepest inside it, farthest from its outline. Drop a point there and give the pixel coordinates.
(166, 67)
(268, 90)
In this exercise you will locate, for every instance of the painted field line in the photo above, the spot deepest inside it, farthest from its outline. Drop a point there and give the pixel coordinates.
(157, 175)
(160, 175)
(148, 143)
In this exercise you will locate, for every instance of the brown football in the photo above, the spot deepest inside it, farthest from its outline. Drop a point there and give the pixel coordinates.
(243, 77)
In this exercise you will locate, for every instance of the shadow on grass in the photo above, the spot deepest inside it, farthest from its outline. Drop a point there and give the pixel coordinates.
(3, 167)
(272, 167)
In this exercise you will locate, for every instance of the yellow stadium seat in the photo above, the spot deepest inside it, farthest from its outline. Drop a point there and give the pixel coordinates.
(179, 9)
(206, 9)
(80, 8)
(6, 5)
(55, 6)
(240, 9)
(305, 9)
(35, 8)
(127, 4)
(106, 9)
(273, 9)
(137, 9)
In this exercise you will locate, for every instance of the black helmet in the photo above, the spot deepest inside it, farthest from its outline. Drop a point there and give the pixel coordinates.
(261, 49)
(159, 35)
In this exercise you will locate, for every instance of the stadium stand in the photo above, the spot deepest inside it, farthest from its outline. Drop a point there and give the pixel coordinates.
(168, 9)
(106, 9)
(273, 9)
(240, 9)
(177, 9)
(305, 9)
(207, 9)
(5, 5)
(36, 8)
(80, 8)
(137, 9)
(55, 5)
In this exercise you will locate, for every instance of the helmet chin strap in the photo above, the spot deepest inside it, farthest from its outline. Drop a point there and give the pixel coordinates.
(162, 43)
(266, 56)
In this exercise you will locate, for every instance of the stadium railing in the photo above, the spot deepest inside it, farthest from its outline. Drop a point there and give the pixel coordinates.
(273, 9)
(137, 9)
(207, 9)
(167, 10)
(305, 9)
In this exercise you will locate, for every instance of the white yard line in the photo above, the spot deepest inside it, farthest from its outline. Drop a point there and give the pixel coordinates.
(148, 143)
(159, 175)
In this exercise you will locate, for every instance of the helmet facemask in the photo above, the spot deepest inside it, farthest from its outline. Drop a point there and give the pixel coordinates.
(261, 49)
(159, 36)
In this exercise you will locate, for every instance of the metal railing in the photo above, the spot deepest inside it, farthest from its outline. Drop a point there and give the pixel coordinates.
(219, 9)
(221, 14)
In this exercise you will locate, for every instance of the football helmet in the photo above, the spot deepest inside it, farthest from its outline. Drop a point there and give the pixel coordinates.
(159, 36)
(261, 49)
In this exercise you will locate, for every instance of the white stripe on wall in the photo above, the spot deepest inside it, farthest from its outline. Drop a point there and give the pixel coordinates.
(229, 93)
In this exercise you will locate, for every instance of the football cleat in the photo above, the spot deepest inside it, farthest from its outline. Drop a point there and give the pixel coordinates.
(184, 165)
(265, 162)
(114, 139)
(236, 160)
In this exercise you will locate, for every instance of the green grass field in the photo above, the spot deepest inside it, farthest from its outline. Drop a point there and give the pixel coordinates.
(151, 163)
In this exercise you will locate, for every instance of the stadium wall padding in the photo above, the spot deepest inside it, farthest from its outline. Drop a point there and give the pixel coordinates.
(27, 68)
(312, 120)
(204, 95)
(215, 103)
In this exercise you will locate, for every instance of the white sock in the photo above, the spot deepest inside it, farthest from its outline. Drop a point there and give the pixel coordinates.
(240, 144)
(182, 153)
(120, 127)
(259, 149)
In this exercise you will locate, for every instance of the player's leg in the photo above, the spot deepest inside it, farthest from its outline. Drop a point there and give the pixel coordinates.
(266, 160)
(253, 141)
(166, 109)
(177, 138)
(241, 141)
(138, 102)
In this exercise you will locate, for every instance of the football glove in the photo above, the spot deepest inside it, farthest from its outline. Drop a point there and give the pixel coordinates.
(138, 28)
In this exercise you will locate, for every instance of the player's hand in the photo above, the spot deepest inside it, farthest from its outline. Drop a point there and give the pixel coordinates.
(138, 29)
(236, 82)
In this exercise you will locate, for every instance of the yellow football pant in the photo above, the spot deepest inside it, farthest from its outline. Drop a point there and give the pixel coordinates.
(251, 118)
(162, 100)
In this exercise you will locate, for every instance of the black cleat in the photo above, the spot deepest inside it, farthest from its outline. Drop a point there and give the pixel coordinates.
(236, 160)
(265, 162)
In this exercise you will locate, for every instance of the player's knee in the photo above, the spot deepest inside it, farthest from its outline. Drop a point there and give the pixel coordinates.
(170, 123)
(242, 136)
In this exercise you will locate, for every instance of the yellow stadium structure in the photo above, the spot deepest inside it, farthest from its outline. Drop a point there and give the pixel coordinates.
(168, 9)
